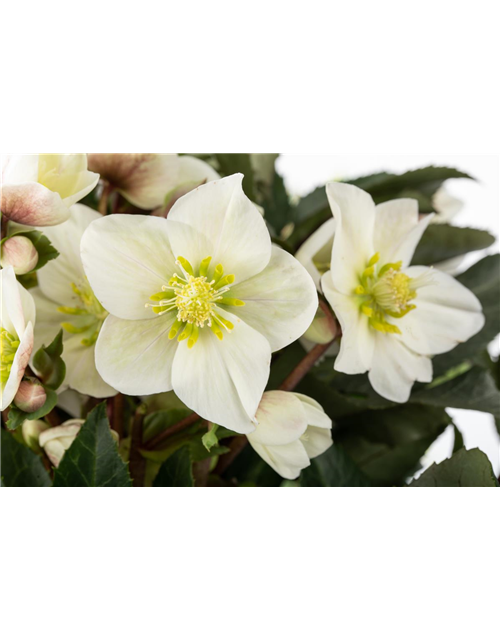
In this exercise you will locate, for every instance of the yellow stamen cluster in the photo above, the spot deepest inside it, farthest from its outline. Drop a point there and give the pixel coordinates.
(195, 298)
(8, 347)
(91, 311)
(386, 291)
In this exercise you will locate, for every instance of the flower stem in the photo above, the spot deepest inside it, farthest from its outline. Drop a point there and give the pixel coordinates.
(137, 464)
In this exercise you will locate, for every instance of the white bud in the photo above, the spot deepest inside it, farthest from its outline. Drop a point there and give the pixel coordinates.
(19, 253)
(291, 429)
(31, 431)
(30, 395)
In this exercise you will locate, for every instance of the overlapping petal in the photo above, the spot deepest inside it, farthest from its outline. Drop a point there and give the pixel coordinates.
(280, 302)
(231, 222)
(287, 460)
(19, 365)
(317, 249)
(281, 419)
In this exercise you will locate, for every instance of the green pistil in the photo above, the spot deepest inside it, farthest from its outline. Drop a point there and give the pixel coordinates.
(194, 296)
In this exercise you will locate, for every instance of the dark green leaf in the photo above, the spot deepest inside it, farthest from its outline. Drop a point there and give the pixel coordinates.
(49, 364)
(238, 163)
(277, 205)
(388, 444)
(176, 471)
(474, 389)
(93, 460)
(442, 242)
(17, 417)
(334, 468)
(459, 441)
(20, 466)
(464, 469)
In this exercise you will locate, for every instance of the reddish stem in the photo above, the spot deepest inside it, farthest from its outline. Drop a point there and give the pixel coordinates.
(179, 426)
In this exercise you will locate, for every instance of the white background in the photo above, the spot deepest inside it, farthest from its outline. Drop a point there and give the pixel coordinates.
(303, 173)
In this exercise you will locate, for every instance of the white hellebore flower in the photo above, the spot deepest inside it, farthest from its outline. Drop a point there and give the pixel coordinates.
(198, 301)
(38, 190)
(65, 299)
(150, 180)
(292, 429)
(393, 317)
(16, 334)
(57, 440)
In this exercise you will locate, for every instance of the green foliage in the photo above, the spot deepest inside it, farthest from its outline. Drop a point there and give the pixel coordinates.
(20, 466)
(93, 460)
(17, 417)
(388, 444)
(49, 364)
(334, 468)
(464, 469)
(176, 471)
(443, 241)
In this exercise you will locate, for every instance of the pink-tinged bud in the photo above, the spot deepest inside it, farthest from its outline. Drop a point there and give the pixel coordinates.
(19, 253)
(31, 431)
(58, 440)
(30, 396)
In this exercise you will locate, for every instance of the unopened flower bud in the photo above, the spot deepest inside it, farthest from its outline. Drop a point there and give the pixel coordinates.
(321, 330)
(31, 431)
(30, 396)
(58, 440)
(19, 253)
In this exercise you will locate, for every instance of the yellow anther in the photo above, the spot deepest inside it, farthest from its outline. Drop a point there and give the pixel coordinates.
(70, 328)
(368, 311)
(374, 259)
(218, 273)
(215, 329)
(360, 290)
(74, 311)
(223, 322)
(186, 332)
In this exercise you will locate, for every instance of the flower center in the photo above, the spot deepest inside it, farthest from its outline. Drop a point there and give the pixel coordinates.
(8, 348)
(90, 313)
(386, 291)
(195, 298)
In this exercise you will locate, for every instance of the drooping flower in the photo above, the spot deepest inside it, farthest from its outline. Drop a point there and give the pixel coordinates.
(393, 316)
(150, 180)
(65, 299)
(38, 190)
(292, 429)
(16, 334)
(57, 440)
(197, 302)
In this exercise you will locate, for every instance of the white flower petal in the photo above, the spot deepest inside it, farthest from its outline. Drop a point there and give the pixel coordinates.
(56, 276)
(189, 243)
(354, 212)
(135, 356)
(223, 380)
(316, 441)
(12, 318)
(315, 414)
(281, 419)
(280, 302)
(357, 343)
(18, 169)
(19, 364)
(317, 248)
(395, 368)
(143, 178)
(231, 222)
(195, 170)
(446, 314)
(394, 220)
(127, 258)
(81, 372)
(287, 460)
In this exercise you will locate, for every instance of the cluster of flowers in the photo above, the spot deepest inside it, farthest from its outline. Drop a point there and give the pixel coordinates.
(197, 302)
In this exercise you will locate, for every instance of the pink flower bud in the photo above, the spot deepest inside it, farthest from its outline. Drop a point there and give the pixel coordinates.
(30, 396)
(19, 253)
